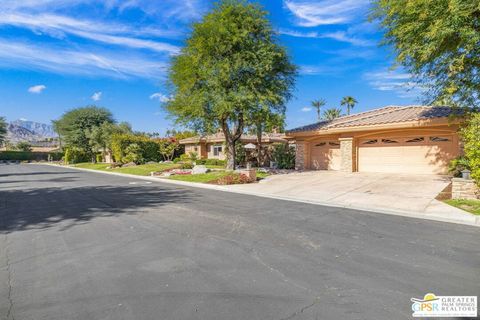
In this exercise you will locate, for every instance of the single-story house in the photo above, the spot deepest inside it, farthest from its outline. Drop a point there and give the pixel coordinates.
(409, 139)
(213, 146)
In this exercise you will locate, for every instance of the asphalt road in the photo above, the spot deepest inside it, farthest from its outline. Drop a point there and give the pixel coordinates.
(77, 245)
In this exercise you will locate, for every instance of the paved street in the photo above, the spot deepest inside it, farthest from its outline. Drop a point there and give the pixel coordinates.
(79, 245)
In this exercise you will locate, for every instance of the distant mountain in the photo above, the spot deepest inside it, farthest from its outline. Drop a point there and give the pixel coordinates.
(22, 130)
(41, 129)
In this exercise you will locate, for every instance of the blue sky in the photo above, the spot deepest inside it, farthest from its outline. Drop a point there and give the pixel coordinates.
(59, 54)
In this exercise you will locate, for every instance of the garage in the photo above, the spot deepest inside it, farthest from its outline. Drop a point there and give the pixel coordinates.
(325, 155)
(419, 154)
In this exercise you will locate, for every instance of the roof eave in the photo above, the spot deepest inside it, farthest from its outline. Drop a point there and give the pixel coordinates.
(390, 125)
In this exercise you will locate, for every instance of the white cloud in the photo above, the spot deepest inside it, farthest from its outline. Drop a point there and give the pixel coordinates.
(37, 89)
(97, 96)
(306, 109)
(160, 97)
(57, 26)
(396, 81)
(341, 36)
(68, 61)
(311, 13)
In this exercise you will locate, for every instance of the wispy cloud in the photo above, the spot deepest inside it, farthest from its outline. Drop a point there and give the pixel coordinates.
(97, 96)
(107, 43)
(306, 109)
(37, 89)
(312, 13)
(58, 26)
(341, 36)
(160, 97)
(82, 62)
(394, 80)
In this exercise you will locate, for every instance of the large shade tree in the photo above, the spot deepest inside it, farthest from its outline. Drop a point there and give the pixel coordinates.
(231, 67)
(79, 127)
(438, 42)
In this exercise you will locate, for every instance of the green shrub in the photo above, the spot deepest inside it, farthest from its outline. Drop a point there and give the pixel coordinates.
(184, 157)
(99, 157)
(149, 149)
(133, 153)
(176, 160)
(471, 138)
(215, 162)
(186, 165)
(24, 146)
(201, 162)
(74, 155)
(457, 165)
(284, 156)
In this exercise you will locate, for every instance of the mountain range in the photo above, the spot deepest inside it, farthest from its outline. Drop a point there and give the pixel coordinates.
(30, 131)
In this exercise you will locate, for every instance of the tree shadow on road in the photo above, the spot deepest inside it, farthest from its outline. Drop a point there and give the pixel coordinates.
(43, 208)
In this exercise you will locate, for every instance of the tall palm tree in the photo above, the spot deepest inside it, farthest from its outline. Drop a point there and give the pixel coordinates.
(348, 102)
(318, 104)
(332, 113)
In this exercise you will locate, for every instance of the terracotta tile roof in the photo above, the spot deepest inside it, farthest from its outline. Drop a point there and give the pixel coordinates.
(219, 137)
(390, 114)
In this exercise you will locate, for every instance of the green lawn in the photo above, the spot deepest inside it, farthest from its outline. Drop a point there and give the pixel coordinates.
(472, 206)
(141, 170)
(210, 176)
(202, 178)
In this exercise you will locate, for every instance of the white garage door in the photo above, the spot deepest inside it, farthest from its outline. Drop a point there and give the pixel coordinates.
(417, 154)
(325, 155)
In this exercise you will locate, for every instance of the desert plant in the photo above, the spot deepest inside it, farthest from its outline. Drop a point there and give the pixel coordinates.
(133, 153)
(457, 165)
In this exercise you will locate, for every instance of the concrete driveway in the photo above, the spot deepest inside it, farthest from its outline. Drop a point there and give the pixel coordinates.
(400, 193)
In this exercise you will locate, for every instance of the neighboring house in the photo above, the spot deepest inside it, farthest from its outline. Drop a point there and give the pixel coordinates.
(411, 139)
(213, 146)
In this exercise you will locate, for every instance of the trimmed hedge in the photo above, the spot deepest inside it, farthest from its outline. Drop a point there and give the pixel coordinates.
(30, 156)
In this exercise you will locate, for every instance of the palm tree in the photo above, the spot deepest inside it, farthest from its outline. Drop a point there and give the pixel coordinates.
(349, 102)
(332, 113)
(318, 104)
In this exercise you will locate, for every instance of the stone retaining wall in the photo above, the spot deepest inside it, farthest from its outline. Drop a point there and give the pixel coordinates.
(464, 189)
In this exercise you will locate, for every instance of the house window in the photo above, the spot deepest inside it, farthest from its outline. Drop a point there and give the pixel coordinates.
(373, 141)
(439, 139)
(217, 150)
(195, 148)
(415, 140)
(321, 144)
(334, 144)
(389, 141)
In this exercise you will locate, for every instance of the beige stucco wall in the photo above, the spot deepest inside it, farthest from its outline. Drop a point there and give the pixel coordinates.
(221, 155)
(350, 143)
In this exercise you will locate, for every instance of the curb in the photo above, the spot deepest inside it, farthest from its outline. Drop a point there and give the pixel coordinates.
(474, 221)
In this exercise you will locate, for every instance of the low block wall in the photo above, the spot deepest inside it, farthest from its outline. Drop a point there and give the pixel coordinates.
(464, 189)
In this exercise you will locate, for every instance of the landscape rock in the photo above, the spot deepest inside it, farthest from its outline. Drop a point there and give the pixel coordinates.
(200, 170)
(130, 164)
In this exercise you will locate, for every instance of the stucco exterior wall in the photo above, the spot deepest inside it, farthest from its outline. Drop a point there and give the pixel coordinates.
(350, 144)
